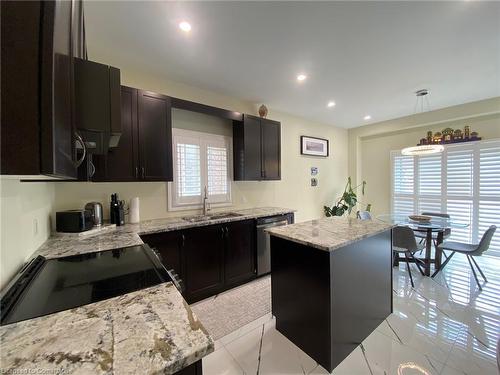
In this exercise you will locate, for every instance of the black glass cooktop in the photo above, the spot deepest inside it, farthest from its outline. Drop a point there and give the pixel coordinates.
(49, 285)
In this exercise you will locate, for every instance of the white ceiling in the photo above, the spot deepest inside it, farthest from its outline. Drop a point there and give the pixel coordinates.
(369, 57)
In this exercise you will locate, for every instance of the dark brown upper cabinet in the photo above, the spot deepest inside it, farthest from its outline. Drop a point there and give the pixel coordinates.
(38, 46)
(144, 152)
(256, 149)
(154, 113)
(97, 108)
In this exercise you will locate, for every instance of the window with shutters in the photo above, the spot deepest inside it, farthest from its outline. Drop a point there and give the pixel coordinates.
(463, 181)
(201, 160)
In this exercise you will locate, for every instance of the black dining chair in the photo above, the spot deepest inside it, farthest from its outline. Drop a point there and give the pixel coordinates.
(364, 215)
(470, 250)
(403, 241)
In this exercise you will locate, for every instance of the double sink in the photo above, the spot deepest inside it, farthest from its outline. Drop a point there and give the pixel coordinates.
(222, 215)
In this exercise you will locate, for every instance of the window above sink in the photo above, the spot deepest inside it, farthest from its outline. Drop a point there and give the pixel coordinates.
(199, 160)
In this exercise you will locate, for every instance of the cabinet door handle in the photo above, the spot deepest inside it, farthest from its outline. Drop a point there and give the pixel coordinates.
(227, 232)
(84, 148)
(92, 173)
(143, 173)
(183, 237)
(136, 172)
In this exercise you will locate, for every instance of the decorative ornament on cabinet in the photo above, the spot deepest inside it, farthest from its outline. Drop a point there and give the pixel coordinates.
(457, 135)
(447, 135)
(467, 132)
(263, 111)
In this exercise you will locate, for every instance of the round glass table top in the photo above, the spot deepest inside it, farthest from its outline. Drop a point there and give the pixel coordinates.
(435, 224)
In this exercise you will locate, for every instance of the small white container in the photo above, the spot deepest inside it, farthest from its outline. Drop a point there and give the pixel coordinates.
(134, 211)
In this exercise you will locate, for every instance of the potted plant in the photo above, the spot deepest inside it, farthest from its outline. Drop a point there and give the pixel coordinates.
(347, 201)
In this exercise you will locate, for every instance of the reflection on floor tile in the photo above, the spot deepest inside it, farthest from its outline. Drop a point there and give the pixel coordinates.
(220, 362)
(443, 326)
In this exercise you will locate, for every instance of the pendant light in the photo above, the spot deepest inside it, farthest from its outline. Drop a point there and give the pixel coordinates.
(422, 149)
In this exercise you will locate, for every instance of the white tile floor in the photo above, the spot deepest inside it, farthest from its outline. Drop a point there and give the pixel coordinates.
(443, 326)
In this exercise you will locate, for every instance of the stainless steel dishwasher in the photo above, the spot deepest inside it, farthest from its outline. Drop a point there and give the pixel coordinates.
(264, 243)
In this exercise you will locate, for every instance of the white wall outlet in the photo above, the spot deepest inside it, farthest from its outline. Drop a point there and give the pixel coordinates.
(35, 226)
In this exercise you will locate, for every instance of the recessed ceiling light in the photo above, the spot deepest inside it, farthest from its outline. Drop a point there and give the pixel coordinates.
(185, 26)
(331, 104)
(301, 77)
(367, 117)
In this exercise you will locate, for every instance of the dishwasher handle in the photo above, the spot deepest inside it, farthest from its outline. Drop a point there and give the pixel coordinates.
(271, 225)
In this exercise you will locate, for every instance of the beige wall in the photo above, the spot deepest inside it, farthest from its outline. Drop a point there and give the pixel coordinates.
(21, 203)
(370, 146)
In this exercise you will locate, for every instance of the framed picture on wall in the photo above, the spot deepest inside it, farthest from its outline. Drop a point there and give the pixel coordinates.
(314, 146)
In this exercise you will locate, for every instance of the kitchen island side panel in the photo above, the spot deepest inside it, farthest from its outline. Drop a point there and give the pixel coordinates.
(328, 302)
(300, 289)
(361, 291)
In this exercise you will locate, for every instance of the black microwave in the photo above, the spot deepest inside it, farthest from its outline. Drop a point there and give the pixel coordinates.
(74, 221)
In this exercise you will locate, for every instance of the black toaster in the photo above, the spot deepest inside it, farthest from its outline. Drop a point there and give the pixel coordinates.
(74, 221)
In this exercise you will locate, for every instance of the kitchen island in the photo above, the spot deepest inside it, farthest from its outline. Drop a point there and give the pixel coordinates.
(331, 284)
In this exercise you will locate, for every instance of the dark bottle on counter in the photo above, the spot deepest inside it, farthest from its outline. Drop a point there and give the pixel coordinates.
(116, 211)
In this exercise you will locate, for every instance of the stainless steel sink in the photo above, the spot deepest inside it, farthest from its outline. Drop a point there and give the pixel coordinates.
(222, 215)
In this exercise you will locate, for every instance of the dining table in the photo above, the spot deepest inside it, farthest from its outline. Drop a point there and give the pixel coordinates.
(436, 225)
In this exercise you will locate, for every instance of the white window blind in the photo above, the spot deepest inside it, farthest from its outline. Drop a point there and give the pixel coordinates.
(463, 181)
(200, 160)
(188, 169)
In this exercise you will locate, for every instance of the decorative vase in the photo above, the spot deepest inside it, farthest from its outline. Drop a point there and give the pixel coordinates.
(263, 111)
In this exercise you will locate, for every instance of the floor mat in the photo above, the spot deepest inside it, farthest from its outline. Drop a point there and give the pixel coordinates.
(226, 312)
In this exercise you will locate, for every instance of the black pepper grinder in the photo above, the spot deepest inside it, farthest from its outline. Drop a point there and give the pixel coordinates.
(116, 210)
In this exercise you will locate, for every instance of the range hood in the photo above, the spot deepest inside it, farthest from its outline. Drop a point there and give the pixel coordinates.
(97, 105)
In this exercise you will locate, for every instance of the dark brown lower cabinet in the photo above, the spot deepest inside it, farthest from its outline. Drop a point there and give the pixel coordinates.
(169, 246)
(240, 252)
(209, 259)
(193, 369)
(203, 253)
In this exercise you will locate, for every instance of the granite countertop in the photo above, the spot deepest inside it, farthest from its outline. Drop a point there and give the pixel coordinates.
(150, 331)
(62, 244)
(147, 331)
(330, 233)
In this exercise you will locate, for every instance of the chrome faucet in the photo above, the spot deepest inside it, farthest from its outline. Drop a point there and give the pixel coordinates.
(206, 205)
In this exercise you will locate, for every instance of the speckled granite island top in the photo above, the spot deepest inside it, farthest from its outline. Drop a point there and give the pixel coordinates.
(150, 331)
(60, 244)
(330, 233)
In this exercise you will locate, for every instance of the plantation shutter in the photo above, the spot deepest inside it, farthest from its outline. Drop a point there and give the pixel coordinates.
(403, 184)
(489, 193)
(200, 160)
(459, 187)
(463, 181)
(217, 170)
(429, 183)
(187, 165)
